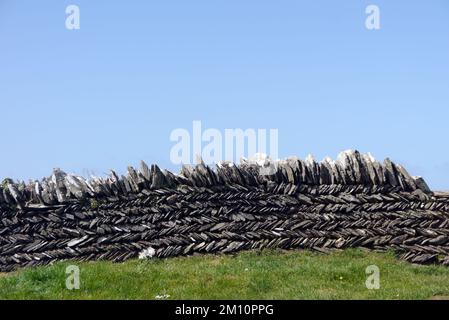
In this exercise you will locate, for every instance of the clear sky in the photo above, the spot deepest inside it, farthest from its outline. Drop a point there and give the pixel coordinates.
(107, 95)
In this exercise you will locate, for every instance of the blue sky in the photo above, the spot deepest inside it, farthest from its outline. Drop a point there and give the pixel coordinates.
(107, 95)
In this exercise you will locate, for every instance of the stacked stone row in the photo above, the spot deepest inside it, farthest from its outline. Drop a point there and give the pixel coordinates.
(350, 168)
(186, 220)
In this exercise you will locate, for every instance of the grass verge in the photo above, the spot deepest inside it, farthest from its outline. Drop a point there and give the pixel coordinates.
(268, 274)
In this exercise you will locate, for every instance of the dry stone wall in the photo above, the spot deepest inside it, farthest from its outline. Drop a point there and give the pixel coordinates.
(354, 201)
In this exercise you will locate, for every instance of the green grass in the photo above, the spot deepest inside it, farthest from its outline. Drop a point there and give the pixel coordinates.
(248, 275)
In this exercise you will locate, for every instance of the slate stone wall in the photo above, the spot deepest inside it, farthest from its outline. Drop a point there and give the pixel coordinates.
(354, 201)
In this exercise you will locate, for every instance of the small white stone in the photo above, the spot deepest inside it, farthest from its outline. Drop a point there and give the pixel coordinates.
(147, 253)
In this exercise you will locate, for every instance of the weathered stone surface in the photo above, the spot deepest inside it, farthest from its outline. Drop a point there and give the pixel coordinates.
(352, 202)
